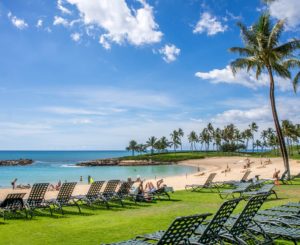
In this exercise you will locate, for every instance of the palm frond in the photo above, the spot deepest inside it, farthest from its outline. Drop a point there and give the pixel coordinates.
(247, 35)
(291, 63)
(242, 51)
(275, 33)
(296, 81)
(242, 63)
(288, 48)
(281, 70)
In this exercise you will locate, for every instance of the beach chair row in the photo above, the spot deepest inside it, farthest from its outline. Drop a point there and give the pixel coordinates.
(243, 188)
(113, 191)
(245, 228)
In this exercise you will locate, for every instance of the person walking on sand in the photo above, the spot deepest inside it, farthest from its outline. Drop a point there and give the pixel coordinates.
(276, 177)
(13, 183)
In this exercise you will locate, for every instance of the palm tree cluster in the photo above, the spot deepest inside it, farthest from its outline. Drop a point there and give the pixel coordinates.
(230, 138)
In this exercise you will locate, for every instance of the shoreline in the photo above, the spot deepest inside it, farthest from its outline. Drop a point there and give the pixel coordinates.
(207, 165)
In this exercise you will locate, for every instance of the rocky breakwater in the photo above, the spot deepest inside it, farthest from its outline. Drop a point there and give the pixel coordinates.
(20, 162)
(119, 162)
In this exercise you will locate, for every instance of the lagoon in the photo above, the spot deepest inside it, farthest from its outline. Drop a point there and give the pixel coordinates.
(51, 166)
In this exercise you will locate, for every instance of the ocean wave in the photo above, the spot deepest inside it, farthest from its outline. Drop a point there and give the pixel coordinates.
(70, 166)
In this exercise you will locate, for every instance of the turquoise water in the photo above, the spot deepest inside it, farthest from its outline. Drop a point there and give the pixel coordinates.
(51, 166)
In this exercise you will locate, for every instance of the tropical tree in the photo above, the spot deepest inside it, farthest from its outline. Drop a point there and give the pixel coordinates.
(193, 139)
(253, 128)
(264, 52)
(175, 139)
(151, 143)
(133, 146)
(180, 135)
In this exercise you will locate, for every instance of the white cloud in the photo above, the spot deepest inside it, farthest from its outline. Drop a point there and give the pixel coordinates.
(120, 23)
(72, 111)
(76, 36)
(63, 9)
(60, 21)
(169, 52)
(286, 9)
(287, 108)
(209, 24)
(242, 77)
(19, 23)
(39, 23)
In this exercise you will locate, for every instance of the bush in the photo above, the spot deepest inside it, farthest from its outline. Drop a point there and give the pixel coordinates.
(232, 147)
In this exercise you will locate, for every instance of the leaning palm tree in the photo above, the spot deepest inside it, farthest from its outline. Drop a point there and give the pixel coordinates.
(263, 52)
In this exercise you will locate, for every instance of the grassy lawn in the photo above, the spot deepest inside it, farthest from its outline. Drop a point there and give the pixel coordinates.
(187, 155)
(101, 225)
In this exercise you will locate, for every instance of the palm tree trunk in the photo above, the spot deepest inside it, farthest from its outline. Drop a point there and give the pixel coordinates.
(277, 125)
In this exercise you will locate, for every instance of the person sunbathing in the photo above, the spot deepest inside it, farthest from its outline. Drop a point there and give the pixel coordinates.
(56, 187)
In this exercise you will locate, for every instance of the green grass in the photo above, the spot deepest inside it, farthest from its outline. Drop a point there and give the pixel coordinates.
(101, 225)
(188, 155)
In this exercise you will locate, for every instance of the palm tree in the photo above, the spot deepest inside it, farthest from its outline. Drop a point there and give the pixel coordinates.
(263, 52)
(180, 135)
(151, 143)
(253, 128)
(175, 139)
(193, 139)
(133, 146)
(211, 131)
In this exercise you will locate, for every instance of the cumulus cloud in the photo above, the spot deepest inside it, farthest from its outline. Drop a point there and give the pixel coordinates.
(119, 22)
(76, 36)
(169, 53)
(19, 23)
(62, 8)
(39, 23)
(60, 21)
(286, 106)
(209, 24)
(286, 9)
(243, 78)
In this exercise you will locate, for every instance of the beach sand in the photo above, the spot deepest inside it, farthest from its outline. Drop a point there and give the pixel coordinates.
(211, 165)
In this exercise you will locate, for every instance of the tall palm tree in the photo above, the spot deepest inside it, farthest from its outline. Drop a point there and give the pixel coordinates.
(151, 143)
(133, 146)
(264, 52)
(193, 139)
(175, 139)
(253, 128)
(180, 135)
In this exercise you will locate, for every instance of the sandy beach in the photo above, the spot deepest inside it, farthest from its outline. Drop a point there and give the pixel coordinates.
(258, 166)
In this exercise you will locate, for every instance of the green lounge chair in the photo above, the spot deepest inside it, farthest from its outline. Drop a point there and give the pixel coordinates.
(236, 229)
(36, 199)
(92, 195)
(12, 203)
(110, 193)
(265, 189)
(64, 197)
(209, 234)
(207, 185)
(234, 182)
(239, 189)
(285, 221)
(178, 232)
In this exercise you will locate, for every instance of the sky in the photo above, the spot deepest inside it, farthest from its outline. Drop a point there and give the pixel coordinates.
(92, 75)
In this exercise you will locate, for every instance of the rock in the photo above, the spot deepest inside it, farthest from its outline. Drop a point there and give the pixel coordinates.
(20, 162)
(118, 162)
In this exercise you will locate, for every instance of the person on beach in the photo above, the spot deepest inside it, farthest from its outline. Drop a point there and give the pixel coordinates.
(13, 183)
(90, 180)
(276, 177)
(56, 187)
(81, 179)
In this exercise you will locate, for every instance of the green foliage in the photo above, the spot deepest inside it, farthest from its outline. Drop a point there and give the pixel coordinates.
(99, 225)
(232, 147)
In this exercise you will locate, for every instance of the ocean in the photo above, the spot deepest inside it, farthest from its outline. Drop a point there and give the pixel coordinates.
(52, 166)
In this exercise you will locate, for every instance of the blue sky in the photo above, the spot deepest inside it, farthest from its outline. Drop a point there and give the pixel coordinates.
(79, 74)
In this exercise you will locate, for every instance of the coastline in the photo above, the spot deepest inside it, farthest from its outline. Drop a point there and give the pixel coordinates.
(207, 166)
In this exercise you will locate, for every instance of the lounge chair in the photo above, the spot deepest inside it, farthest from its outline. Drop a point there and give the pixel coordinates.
(93, 193)
(124, 189)
(110, 193)
(265, 189)
(207, 185)
(178, 232)
(239, 189)
(235, 182)
(64, 197)
(236, 229)
(209, 234)
(36, 199)
(12, 203)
